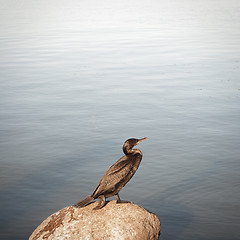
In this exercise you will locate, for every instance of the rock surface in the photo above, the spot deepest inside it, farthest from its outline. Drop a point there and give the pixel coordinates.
(114, 221)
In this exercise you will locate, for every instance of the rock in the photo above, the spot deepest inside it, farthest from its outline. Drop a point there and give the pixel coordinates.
(114, 221)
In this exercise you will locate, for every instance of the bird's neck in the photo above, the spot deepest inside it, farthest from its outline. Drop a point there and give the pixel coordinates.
(132, 151)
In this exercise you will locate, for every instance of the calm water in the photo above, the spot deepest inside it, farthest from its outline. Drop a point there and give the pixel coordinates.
(78, 78)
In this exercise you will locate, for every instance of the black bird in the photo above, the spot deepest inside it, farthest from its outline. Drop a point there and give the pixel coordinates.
(117, 176)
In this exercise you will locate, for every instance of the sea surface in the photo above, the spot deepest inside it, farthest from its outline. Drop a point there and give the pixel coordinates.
(79, 77)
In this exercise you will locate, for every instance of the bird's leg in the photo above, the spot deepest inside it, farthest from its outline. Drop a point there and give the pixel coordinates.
(119, 200)
(101, 203)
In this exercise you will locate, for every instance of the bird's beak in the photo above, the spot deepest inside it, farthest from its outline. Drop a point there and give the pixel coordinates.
(142, 139)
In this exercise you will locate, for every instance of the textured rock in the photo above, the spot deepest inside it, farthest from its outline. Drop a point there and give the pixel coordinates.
(115, 221)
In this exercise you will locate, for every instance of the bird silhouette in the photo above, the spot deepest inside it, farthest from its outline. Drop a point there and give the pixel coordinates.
(117, 176)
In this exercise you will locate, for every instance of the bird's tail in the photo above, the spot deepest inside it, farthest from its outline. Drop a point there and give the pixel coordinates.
(84, 201)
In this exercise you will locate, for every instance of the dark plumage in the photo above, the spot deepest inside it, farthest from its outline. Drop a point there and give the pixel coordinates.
(117, 176)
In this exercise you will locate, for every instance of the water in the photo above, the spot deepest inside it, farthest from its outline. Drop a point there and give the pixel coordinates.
(78, 78)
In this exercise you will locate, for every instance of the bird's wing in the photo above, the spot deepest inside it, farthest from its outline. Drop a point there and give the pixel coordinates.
(119, 173)
(118, 166)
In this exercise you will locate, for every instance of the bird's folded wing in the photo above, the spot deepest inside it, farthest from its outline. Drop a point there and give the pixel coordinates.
(120, 172)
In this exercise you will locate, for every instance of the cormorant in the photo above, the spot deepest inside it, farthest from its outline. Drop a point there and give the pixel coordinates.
(117, 176)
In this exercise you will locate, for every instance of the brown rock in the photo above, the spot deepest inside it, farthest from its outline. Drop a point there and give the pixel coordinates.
(115, 221)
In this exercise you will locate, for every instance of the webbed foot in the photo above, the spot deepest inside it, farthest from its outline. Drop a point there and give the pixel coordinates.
(119, 200)
(101, 203)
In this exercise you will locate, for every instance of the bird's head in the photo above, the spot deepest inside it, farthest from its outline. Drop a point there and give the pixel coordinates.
(130, 143)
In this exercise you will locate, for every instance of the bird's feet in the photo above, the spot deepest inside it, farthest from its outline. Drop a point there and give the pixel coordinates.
(101, 204)
(121, 201)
